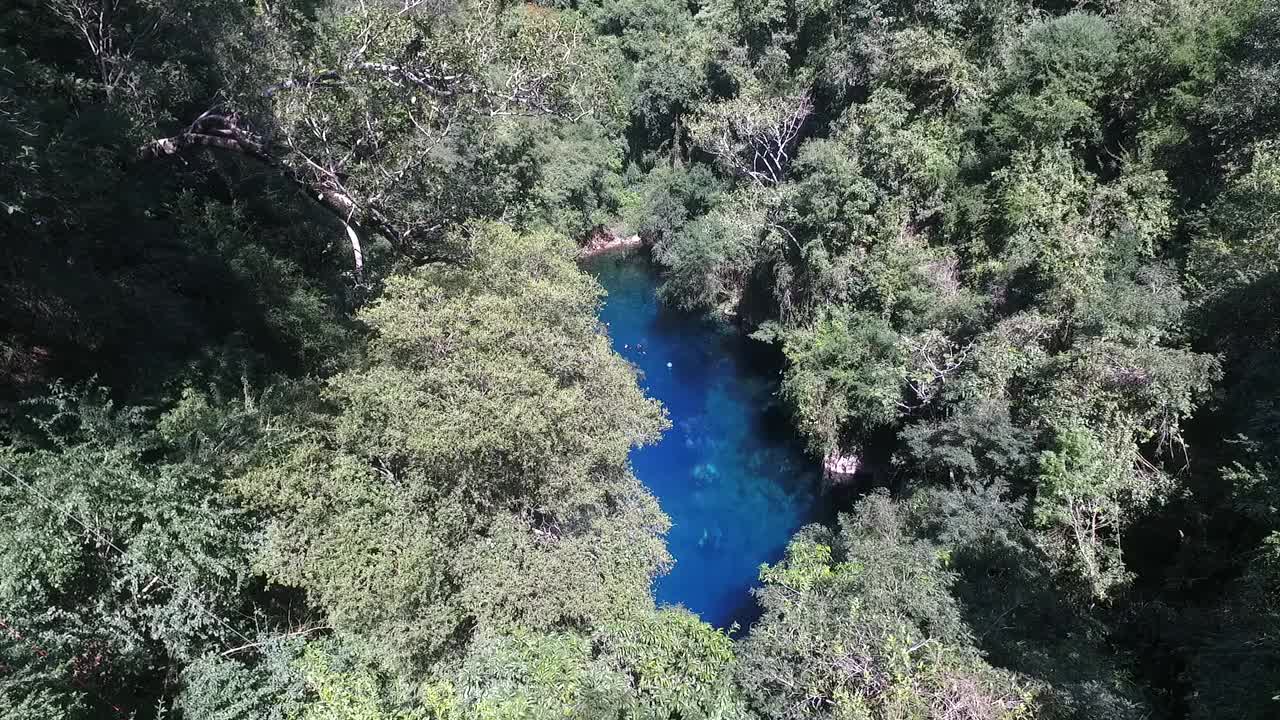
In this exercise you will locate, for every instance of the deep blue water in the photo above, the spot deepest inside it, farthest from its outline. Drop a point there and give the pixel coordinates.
(730, 472)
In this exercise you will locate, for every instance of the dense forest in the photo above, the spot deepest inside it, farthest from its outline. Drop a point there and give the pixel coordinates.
(307, 411)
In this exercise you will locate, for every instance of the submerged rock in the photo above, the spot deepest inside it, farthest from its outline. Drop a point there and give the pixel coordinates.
(705, 473)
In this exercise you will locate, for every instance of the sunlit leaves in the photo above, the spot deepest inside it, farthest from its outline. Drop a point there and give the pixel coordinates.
(474, 477)
(861, 624)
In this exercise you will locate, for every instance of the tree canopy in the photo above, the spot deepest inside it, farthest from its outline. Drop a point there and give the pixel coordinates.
(306, 410)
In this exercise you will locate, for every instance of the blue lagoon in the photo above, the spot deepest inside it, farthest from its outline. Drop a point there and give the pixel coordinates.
(730, 472)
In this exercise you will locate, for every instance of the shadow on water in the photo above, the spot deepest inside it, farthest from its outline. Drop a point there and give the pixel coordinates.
(730, 473)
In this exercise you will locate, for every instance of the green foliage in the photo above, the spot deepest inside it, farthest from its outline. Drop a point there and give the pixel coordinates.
(1027, 617)
(407, 99)
(472, 475)
(536, 676)
(1053, 80)
(861, 624)
(678, 666)
(1025, 251)
(1039, 198)
(1173, 53)
(1237, 670)
(1079, 490)
(573, 180)
(132, 275)
(666, 198)
(339, 691)
(713, 257)
(271, 685)
(110, 560)
(849, 365)
(1230, 252)
(975, 443)
(667, 54)
(1241, 107)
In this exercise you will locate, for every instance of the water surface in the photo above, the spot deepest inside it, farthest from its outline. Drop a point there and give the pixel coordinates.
(730, 472)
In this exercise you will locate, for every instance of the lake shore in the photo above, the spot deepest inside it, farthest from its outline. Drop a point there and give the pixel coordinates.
(602, 241)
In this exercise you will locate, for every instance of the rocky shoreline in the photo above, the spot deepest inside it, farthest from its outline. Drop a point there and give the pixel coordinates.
(602, 240)
(840, 467)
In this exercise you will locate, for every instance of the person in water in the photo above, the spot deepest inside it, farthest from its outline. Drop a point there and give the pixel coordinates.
(710, 540)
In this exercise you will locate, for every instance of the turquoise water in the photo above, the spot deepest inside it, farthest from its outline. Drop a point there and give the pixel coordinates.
(730, 472)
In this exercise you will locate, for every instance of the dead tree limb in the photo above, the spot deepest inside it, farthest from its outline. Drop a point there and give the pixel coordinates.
(227, 132)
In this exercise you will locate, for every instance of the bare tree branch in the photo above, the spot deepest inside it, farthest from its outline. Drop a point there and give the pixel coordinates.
(753, 137)
(375, 156)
